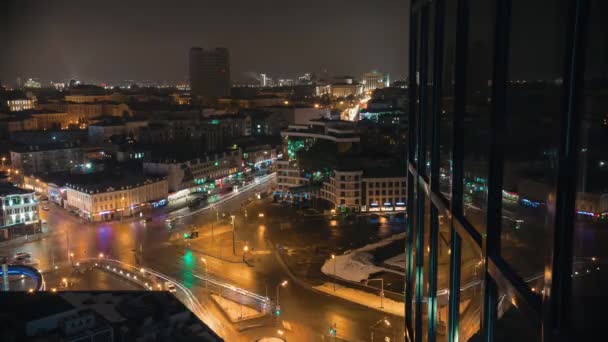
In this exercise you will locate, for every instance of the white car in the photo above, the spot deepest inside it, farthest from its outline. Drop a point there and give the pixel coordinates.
(169, 286)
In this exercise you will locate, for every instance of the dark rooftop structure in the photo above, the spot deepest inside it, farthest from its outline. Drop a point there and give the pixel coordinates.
(10, 189)
(101, 181)
(44, 147)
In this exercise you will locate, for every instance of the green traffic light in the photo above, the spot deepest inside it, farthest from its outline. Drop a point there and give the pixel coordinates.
(185, 235)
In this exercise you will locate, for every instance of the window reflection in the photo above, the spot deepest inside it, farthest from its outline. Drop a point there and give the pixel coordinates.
(477, 112)
(446, 115)
(589, 279)
(531, 135)
(471, 290)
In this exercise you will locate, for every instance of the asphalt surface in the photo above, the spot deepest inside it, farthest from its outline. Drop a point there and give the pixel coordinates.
(305, 315)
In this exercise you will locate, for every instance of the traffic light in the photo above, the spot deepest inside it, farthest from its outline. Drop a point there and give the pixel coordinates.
(186, 236)
(332, 331)
(278, 311)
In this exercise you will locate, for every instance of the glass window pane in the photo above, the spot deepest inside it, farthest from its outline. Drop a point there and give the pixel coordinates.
(516, 321)
(427, 253)
(531, 134)
(589, 277)
(416, 90)
(471, 290)
(443, 278)
(428, 106)
(413, 214)
(446, 116)
(476, 125)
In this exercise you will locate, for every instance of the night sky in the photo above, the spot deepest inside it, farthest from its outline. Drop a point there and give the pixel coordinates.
(115, 40)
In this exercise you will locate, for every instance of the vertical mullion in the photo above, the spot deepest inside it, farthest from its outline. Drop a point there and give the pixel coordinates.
(458, 162)
(421, 167)
(558, 287)
(434, 176)
(411, 179)
(453, 313)
(491, 242)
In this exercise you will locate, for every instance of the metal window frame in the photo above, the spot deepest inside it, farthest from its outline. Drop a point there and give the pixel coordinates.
(554, 307)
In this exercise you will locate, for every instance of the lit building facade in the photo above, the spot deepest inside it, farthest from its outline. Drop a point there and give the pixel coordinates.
(353, 190)
(346, 89)
(343, 189)
(18, 105)
(184, 175)
(91, 98)
(371, 81)
(19, 210)
(107, 201)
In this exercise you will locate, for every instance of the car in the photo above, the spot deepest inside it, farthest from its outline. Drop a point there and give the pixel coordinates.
(45, 208)
(169, 286)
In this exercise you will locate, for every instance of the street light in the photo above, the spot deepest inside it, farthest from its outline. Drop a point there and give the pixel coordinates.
(100, 255)
(206, 273)
(283, 284)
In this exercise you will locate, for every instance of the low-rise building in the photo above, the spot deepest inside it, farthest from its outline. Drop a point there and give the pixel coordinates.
(358, 190)
(89, 98)
(51, 120)
(20, 104)
(19, 213)
(100, 132)
(46, 158)
(12, 124)
(187, 173)
(106, 196)
(41, 137)
(344, 189)
(384, 191)
(259, 157)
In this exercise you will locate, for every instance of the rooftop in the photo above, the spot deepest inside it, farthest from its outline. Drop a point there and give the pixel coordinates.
(26, 307)
(108, 181)
(10, 189)
(44, 147)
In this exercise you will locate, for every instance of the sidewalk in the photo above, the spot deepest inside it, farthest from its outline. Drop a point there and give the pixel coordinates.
(18, 241)
(355, 296)
(236, 312)
(389, 306)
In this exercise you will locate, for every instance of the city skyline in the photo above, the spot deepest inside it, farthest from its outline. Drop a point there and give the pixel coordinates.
(150, 41)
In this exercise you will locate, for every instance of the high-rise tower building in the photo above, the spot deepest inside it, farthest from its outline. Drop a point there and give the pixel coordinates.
(209, 74)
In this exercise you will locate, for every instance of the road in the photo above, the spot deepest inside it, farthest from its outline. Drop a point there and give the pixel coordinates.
(305, 315)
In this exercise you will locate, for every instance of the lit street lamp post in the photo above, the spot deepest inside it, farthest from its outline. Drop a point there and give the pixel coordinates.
(282, 284)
